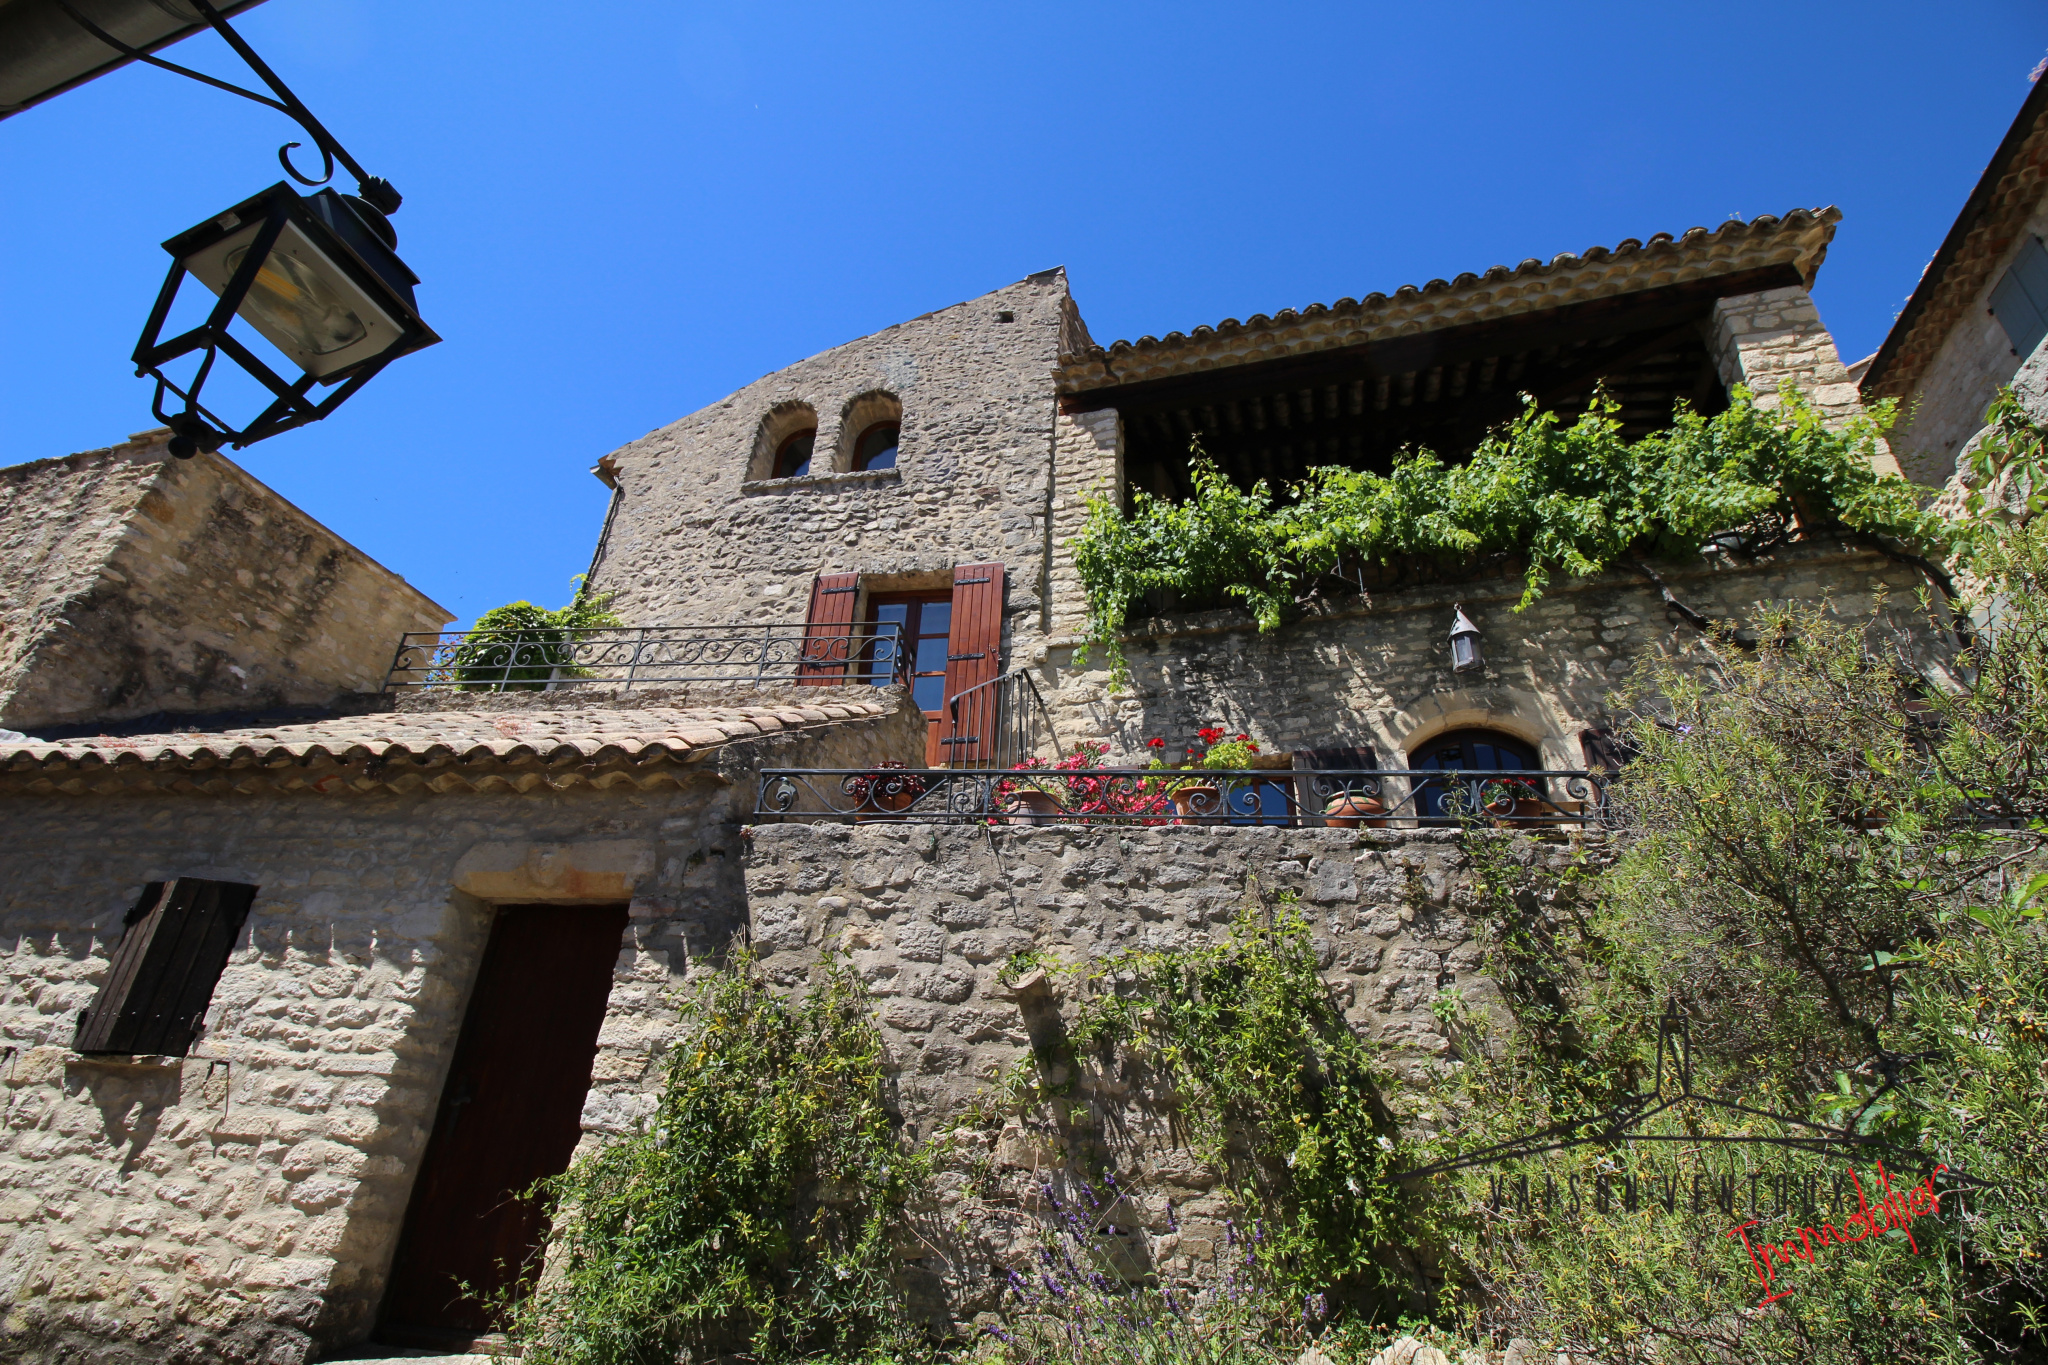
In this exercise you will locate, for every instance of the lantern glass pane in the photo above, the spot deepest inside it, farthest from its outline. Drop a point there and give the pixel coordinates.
(301, 301)
(290, 298)
(1464, 653)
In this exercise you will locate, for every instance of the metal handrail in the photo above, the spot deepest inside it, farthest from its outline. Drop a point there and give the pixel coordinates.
(1370, 797)
(992, 725)
(544, 658)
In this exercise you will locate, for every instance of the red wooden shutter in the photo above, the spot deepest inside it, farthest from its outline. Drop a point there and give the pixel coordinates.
(828, 631)
(973, 655)
(176, 946)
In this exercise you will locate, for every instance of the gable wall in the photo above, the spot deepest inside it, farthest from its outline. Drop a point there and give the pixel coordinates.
(136, 584)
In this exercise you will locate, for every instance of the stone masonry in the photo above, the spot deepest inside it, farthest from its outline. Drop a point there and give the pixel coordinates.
(697, 538)
(1762, 340)
(928, 916)
(243, 1203)
(1378, 673)
(139, 585)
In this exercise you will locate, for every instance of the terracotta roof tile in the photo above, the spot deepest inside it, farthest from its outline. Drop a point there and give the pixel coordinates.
(570, 735)
(1799, 239)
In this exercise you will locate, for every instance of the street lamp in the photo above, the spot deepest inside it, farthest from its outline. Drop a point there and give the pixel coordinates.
(317, 276)
(1464, 643)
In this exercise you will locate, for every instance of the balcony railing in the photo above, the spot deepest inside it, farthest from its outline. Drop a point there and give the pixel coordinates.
(997, 724)
(1381, 797)
(538, 659)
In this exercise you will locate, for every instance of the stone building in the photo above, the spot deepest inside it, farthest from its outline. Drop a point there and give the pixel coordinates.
(295, 999)
(139, 585)
(1979, 314)
(1002, 417)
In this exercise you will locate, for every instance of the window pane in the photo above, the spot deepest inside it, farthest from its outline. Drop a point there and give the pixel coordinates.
(793, 461)
(896, 612)
(877, 449)
(937, 619)
(928, 693)
(931, 654)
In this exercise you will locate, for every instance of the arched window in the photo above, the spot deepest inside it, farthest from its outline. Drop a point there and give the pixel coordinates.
(869, 429)
(793, 456)
(876, 448)
(1471, 751)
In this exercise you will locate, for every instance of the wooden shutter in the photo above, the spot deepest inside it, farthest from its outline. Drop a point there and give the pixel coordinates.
(1308, 806)
(828, 630)
(176, 945)
(974, 648)
(1605, 751)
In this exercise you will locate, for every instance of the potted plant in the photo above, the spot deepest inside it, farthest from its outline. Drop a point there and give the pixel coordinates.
(1200, 799)
(1351, 810)
(887, 788)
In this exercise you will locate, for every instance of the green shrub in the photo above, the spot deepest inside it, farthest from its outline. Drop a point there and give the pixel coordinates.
(521, 647)
(753, 1210)
(1564, 499)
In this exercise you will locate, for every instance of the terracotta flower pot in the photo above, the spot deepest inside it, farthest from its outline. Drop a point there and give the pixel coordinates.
(1199, 802)
(1031, 808)
(899, 799)
(1346, 811)
(885, 792)
(1526, 811)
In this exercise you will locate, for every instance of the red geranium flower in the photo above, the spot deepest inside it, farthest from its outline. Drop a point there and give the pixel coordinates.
(1155, 743)
(1210, 734)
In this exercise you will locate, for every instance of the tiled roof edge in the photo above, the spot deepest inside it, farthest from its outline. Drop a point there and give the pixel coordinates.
(1799, 238)
(667, 740)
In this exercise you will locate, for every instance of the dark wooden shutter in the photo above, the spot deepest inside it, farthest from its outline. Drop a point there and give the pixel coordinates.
(974, 650)
(170, 958)
(828, 630)
(1308, 806)
(1605, 751)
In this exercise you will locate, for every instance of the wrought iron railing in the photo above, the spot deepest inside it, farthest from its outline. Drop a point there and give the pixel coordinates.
(539, 658)
(1404, 797)
(998, 724)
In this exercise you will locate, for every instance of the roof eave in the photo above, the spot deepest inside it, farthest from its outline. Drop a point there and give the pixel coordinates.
(1799, 239)
(1932, 278)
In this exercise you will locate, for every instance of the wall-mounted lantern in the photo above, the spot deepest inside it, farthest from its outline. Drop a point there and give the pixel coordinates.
(1465, 654)
(317, 276)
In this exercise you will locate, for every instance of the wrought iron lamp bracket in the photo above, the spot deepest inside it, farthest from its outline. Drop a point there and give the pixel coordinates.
(377, 191)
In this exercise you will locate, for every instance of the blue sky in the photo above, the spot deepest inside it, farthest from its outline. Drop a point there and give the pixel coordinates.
(623, 211)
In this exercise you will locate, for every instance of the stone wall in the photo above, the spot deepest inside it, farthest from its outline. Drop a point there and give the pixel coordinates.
(1766, 338)
(244, 1203)
(1379, 673)
(137, 584)
(696, 540)
(928, 916)
(1946, 407)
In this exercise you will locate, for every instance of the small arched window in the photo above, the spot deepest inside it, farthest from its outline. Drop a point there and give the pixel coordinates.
(793, 456)
(876, 448)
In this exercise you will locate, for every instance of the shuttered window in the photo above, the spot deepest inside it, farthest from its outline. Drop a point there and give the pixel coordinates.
(974, 655)
(2020, 302)
(174, 946)
(828, 630)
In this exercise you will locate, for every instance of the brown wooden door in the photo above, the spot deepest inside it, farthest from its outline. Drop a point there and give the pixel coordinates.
(510, 1114)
